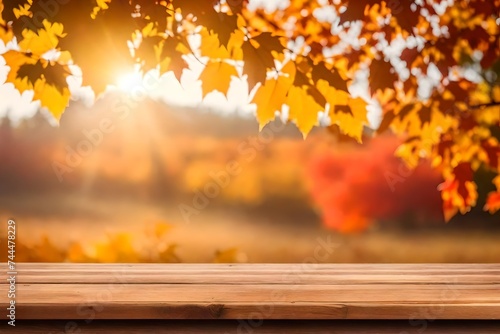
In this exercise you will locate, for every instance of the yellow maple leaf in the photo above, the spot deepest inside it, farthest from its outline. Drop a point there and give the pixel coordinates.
(148, 30)
(303, 109)
(23, 10)
(346, 112)
(16, 59)
(211, 47)
(43, 40)
(53, 98)
(217, 76)
(406, 152)
(235, 44)
(5, 35)
(351, 124)
(270, 97)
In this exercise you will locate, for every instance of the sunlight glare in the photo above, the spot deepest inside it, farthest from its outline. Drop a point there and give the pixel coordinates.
(127, 82)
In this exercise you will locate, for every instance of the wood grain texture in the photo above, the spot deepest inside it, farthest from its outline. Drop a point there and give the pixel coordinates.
(256, 291)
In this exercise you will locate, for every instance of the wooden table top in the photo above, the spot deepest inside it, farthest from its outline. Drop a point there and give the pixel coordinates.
(255, 291)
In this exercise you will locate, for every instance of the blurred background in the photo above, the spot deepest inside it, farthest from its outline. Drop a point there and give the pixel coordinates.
(156, 183)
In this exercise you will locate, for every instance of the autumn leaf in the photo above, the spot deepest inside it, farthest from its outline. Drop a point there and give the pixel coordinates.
(43, 40)
(217, 76)
(409, 55)
(352, 118)
(466, 188)
(258, 57)
(492, 150)
(223, 24)
(269, 42)
(349, 114)
(354, 11)
(271, 96)
(303, 109)
(493, 202)
(406, 110)
(255, 67)
(332, 76)
(406, 18)
(7, 9)
(155, 12)
(450, 209)
(459, 191)
(382, 75)
(53, 74)
(425, 113)
(148, 52)
(47, 80)
(211, 47)
(15, 60)
(386, 122)
(172, 58)
(52, 97)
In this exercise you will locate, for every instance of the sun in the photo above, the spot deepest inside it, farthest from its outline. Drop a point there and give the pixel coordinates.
(130, 81)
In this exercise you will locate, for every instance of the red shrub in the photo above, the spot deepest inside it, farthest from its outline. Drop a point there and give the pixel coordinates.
(356, 187)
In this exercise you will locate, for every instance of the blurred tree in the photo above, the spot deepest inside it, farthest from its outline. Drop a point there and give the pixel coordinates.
(433, 66)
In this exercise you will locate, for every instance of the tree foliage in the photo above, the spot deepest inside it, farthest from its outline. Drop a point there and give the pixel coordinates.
(432, 65)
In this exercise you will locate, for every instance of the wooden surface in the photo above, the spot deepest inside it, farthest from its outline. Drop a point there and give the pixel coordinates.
(89, 292)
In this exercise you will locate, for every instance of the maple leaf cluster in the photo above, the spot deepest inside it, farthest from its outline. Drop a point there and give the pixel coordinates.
(432, 66)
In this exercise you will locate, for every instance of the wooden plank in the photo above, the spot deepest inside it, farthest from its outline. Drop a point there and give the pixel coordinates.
(36, 293)
(263, 274)
(249, 279)
(247, 327)
(264, 291)
(256, 311)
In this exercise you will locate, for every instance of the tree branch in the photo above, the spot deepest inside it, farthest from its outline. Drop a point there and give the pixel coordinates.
(486, 105)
